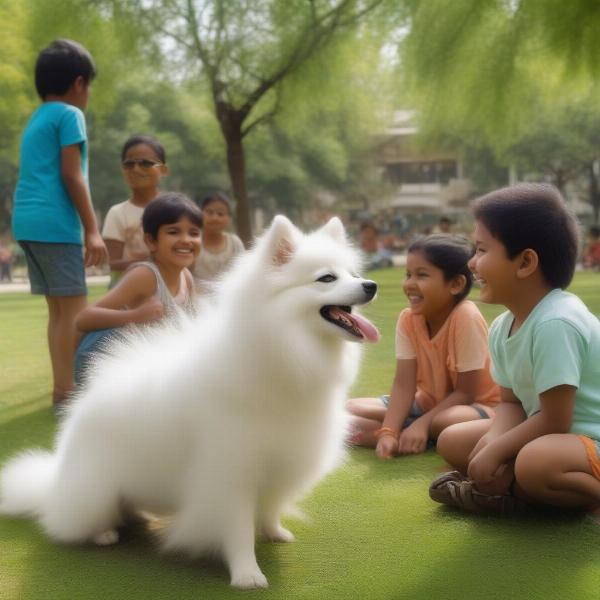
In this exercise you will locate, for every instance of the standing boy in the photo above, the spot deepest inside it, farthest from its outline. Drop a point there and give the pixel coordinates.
(543, 444)
(52, 200)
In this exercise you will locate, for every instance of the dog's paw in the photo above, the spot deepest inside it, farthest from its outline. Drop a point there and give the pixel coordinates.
(249, 580)
(279, 534)
(106, 538)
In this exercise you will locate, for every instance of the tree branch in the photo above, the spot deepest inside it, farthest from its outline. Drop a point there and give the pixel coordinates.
(314, 37)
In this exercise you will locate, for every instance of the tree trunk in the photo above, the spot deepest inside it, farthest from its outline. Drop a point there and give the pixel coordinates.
(231, 126)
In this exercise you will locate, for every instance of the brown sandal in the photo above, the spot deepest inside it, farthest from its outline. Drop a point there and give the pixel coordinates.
(462, 494)
(439, 491)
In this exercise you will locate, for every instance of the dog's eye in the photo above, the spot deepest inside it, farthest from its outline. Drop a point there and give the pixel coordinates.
(327, 278)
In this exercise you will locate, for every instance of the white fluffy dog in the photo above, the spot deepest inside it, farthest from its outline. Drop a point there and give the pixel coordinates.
(222, 424)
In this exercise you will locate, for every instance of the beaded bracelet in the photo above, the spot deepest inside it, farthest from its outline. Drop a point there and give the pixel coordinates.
(385, 431)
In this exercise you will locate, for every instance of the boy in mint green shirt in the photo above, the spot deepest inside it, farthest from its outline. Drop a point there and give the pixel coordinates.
(542, 447)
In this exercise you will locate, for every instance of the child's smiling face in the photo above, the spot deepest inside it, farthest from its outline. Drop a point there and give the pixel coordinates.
(142, 168)
(495, 272)
(177, 244)
(427, 290)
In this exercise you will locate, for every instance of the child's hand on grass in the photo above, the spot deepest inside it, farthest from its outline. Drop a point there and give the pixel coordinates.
(387, 447)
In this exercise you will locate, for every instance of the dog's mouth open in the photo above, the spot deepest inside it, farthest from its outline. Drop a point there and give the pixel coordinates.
(354, 324)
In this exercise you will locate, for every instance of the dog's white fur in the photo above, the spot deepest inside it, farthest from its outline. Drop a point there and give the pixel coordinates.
(222, 424)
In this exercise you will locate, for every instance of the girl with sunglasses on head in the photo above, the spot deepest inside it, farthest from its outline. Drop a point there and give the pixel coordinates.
(143, 163)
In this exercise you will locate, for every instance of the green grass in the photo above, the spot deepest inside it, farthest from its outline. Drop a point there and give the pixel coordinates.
(372, 530)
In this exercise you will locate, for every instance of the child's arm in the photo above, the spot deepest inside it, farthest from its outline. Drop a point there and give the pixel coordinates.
(72, 176)
(115, 256)
(131, 301)
(414, 438)
(555, 416)
(402, 396)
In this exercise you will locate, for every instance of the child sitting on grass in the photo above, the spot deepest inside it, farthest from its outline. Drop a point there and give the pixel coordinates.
(149, 290)
(442, 367)
(542, 446)
(219, 247)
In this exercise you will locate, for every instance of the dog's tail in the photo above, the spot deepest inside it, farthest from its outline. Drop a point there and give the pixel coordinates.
(25, 483)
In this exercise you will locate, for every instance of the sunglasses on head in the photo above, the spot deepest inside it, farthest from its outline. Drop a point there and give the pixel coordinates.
(143, 163)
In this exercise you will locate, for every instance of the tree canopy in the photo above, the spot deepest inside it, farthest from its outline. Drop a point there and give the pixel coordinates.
(314, 99)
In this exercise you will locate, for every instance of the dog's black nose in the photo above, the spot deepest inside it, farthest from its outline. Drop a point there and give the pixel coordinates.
(370, 288)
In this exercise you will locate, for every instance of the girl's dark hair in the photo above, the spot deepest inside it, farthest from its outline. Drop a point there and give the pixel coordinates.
(167, 208)
(147, 140)
(59, 65)
(449, 253)
(533, 215)
(217, 197)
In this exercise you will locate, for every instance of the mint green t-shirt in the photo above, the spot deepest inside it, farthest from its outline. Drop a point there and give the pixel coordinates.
(558, 344)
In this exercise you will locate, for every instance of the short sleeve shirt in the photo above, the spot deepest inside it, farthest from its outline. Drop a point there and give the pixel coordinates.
(209, 264)
(123, 223)
(43, 210)
(460, 345)
(558, 344)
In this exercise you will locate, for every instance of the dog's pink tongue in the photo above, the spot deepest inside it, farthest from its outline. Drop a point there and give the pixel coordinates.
(367, 328)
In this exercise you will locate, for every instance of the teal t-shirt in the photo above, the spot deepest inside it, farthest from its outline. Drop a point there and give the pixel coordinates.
(558, 344)
(43, 211)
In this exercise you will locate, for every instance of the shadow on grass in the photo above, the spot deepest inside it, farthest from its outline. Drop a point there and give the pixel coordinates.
(553, 554)
(134, 568)
(33, 429)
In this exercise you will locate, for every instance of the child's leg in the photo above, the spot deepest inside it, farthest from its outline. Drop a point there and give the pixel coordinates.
(457, 441)
(458, 414)
(558, 469)
(62, 336)
(368, 414)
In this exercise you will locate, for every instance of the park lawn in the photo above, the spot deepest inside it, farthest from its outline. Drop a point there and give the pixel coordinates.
(372, 531)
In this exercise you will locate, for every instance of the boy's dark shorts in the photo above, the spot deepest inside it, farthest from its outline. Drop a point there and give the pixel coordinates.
(55, 269)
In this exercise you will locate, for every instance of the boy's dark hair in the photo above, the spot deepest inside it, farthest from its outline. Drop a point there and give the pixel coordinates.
(59, 65)
(167, 208)
(594, 231)
(533, 215)
(217, 197)
(449, 253)
(147, 140)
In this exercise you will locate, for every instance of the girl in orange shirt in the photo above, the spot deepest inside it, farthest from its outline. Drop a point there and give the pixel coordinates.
(442, 360)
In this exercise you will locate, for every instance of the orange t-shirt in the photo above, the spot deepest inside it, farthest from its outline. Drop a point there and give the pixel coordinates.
(460, 345)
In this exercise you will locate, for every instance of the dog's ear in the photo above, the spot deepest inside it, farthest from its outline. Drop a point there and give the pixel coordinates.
(335, 228)
(281, 240)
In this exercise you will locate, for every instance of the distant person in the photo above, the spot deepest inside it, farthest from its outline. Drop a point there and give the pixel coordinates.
(143, 164)
(52, 200)
(591, 257)
(444, 226)
(219, 247)
(377, 256)
(149, 290)
(6, 260)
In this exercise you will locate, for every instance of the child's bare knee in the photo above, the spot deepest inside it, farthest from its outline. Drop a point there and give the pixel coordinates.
(352, 405)
(447, 443)
(441, 422)
(531, 467)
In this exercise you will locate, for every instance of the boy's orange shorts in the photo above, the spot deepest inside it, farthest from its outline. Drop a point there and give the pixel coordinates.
(592, 450)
